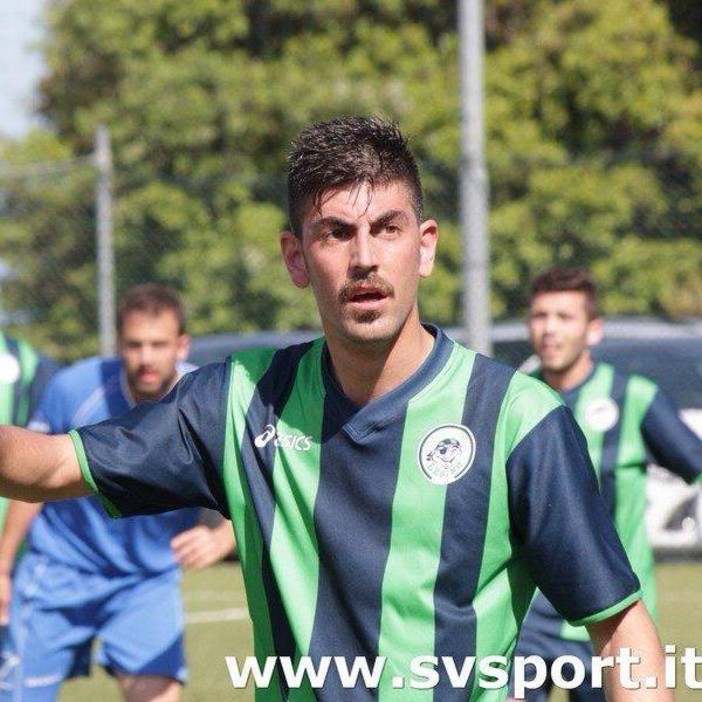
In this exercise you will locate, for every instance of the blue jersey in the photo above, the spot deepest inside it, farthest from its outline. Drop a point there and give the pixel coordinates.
(77, 532)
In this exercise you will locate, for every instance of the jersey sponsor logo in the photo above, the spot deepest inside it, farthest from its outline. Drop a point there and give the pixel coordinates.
(299, 442)
(9, 369)
(446, 453)
(601, 414)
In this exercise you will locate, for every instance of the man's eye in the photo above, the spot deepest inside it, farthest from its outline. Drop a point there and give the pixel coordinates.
(338, 234)
(391, 229)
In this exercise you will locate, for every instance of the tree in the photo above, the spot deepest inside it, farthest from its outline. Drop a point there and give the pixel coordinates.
(593, 140)
(590, 116)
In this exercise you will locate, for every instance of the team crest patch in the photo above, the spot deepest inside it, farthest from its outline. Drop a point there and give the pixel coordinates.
(602, 414)
(446, 453)
(9, 369)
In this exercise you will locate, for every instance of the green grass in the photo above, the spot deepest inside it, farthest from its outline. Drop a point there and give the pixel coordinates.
(220, 589)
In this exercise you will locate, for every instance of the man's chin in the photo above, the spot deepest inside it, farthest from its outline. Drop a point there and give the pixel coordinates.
(148, 392)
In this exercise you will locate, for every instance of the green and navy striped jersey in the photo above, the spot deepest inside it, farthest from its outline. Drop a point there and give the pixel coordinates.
(628, 422)
(417, 524)
(23, 377)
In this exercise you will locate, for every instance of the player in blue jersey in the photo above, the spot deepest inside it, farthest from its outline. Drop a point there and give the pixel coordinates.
(627, 421)
(85, 575)
(393, 494)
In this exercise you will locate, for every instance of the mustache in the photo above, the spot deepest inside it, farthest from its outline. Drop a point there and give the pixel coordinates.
(373, 282)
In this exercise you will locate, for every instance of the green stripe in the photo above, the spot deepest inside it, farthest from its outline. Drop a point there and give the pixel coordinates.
(630, 486)
(526, 403)
(295, 481)
(88, 476)
(610, 611)
(407, 608)
(6, 391)
(246, 370)
(29, 360)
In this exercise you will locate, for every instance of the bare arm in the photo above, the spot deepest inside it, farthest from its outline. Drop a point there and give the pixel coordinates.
(632, 629)
(19, 518)
(202, 546)
(36, 468)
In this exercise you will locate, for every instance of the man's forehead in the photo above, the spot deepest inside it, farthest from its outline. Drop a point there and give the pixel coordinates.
(560, 299)
(359, 200)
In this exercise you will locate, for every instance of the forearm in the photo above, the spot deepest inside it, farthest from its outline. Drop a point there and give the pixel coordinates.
(35, 467)
(18, 520)
(631, 631)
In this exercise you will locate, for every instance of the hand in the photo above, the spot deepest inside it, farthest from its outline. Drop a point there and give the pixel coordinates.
(5, 597)
(202, 546)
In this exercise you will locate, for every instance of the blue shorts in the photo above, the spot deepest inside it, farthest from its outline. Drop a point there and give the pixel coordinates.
(58, 612)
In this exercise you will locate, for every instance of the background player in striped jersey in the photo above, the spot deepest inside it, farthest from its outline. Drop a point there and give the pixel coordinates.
(24, 374)
(626, 420)
(84, 575)
(393, 493)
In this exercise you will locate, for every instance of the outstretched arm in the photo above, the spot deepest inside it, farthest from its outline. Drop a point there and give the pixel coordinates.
(631, 630)
(35, 467)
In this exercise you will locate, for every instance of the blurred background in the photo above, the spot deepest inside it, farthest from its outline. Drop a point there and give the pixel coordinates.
(593, 121)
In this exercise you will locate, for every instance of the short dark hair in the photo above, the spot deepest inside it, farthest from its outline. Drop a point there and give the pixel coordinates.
(153, 299)
(559, 279)
(344, 152)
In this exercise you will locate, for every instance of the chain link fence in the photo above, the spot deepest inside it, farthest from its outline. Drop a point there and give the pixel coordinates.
(218, 247)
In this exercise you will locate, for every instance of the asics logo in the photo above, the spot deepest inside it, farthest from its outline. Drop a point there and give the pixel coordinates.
(297, 442)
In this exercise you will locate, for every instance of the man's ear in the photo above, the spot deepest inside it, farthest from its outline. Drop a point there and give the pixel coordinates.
(294, 258)
(183, 347)
(428, 238)
(595, 331)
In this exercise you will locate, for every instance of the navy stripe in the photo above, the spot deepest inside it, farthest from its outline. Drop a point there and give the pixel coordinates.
(17, 389)
(610, 446)
(465, 524)
(272, 393)
(352, 521)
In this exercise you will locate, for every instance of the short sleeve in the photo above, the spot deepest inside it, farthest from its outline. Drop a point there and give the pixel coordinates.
(161, 455)
(567, 536)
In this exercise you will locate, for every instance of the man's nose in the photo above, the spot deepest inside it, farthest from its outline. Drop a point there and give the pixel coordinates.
(145, 354)
(363, 255)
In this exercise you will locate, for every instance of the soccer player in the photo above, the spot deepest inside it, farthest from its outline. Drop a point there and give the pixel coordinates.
(23, 376)
(85, 575)
(394, 494)
(626, 420)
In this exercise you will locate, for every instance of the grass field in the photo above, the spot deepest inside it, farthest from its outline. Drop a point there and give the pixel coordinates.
(218, 626)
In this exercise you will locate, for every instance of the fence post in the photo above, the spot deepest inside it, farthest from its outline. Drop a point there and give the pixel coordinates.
(105, 246)
(473, 178)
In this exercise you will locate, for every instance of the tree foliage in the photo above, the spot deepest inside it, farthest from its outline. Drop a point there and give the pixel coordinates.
(593, 123)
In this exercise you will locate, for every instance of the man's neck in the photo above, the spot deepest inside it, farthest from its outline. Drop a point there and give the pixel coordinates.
(365, 372)
(571, 377)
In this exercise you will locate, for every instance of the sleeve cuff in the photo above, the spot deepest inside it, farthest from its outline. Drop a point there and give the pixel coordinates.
(88, 476)
(610, 611)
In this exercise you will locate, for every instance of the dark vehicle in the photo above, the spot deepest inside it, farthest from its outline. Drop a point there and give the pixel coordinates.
(670, 353)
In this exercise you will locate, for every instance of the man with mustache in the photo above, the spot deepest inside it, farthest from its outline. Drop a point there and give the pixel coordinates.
(355, 543)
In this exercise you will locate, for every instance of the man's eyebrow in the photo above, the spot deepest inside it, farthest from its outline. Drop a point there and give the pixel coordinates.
(380, 221)
(330, 222)
(389, 217)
